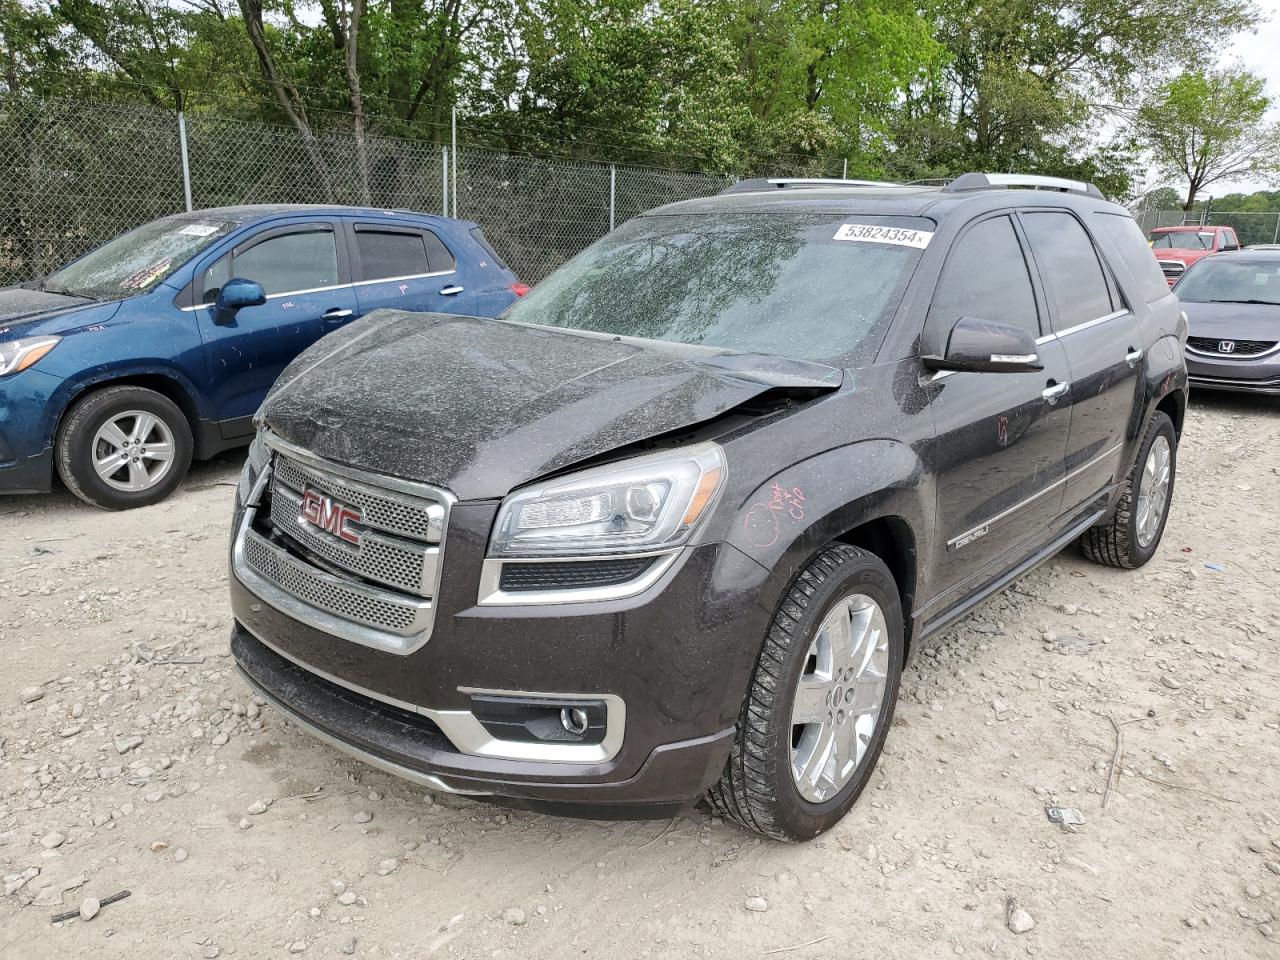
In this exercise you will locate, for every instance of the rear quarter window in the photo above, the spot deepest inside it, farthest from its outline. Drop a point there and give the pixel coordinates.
(1122, 241)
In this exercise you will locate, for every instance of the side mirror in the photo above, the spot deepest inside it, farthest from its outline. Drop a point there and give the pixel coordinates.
(236, 294)
(985, 346)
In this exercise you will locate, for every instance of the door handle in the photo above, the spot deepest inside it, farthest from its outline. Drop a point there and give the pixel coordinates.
(451, 290)
(1133, 356)
(336, 314)
(1053, 391)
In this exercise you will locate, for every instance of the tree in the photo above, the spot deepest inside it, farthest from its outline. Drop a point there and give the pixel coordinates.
(1209, 126)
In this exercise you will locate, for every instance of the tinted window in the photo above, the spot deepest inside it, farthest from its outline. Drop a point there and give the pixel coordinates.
(478, 236)
(214, 278)
(1183, 240)
(986, 277)
(291, 262)
(1070, 268)
(437, 253)
(1124, 242)
(1229, 241)
(388, 254)
(759, 283)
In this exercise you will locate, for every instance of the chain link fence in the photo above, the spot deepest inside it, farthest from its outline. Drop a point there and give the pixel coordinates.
(1251, 228)
(74, 174)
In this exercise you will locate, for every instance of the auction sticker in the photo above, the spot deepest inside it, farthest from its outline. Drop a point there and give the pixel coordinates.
(199, 230)
(871, 233)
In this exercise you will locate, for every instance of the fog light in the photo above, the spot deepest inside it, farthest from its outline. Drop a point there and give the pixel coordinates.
(574, 720)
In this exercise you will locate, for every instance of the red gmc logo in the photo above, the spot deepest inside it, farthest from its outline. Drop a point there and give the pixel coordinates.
(330, 515)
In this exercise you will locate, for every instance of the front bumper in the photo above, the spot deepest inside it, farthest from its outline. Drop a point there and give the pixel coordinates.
(31, 475)
(406, 746)
(1240, 375)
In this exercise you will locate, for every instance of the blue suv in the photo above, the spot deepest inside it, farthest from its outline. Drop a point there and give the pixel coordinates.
(157, 348)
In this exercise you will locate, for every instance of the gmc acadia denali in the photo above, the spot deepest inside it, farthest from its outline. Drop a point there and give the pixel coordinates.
(673, 523)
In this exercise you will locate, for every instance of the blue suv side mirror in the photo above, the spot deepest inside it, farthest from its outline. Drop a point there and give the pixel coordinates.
(235, 294)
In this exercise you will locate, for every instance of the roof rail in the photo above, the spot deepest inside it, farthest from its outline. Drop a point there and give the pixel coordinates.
(988, 181)
(760, 184)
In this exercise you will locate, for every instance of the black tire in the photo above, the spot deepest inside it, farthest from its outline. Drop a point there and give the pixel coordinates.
(74, 454)
(757, 789)
(1114, 542)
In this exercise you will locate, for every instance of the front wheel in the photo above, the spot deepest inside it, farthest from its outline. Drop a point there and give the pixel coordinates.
(821, 700)
(1130, 538)
(123, 447)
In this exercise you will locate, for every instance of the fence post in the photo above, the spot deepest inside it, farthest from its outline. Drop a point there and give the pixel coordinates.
(186, 163)
(444, 181)
(453, 123)
(613, 193)
(1276, 237)
(844, 174)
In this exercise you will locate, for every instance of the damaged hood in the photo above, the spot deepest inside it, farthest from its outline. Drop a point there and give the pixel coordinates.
(481, 406)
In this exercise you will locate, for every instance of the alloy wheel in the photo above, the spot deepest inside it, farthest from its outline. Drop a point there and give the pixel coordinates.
(133, 451)
(839, 697)
(1153, 491)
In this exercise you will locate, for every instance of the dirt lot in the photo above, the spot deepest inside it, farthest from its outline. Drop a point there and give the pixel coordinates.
(239, 836)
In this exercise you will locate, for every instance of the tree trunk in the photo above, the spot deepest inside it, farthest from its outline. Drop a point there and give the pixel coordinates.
(285, 93)
(351, 57)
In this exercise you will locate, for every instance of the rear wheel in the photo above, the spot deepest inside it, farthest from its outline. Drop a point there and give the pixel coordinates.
(821, 700)
(1130, 538)
(123, 447)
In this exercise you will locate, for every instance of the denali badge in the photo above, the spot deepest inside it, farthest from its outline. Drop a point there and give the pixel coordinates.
(330, 515)
(1226, 346)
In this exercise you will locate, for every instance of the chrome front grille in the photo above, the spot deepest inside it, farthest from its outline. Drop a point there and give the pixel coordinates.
(393, 561)
(1172, 269)
(378, 591)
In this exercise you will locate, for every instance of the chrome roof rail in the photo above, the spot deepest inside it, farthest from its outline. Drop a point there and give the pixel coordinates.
(760, 184)
(989, 181)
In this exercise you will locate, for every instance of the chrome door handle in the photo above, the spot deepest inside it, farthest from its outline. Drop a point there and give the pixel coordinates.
(337, 314)
(1133, 356)
(1052, 392)
(451, 290)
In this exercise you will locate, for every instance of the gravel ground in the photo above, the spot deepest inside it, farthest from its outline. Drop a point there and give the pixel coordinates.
(142, 763)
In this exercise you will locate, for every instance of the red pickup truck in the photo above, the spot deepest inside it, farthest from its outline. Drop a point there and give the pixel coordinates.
(1177, 248)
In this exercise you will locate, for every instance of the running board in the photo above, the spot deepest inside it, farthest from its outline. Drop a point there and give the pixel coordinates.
(963, 608)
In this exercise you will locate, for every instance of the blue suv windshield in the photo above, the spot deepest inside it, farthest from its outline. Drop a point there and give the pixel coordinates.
(804, 287)
(138, 260)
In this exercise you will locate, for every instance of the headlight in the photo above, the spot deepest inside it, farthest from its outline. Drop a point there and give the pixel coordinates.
(17, 355)
(651, 503)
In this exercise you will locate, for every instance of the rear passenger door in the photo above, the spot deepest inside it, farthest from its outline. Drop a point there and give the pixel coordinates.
(405, 267)
(1001, 438)
(1103, 345)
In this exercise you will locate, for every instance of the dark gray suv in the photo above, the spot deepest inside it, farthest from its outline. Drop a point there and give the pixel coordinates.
(672, 525)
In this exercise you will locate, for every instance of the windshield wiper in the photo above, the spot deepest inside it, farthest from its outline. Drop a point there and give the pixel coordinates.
(1269, 303)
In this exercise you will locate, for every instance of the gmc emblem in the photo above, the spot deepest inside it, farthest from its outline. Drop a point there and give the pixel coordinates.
(330, 515)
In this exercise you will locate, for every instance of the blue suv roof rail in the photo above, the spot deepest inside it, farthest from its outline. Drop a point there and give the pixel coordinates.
(1000, 181)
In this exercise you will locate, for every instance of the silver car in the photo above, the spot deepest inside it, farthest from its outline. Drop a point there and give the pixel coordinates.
(1232, 302)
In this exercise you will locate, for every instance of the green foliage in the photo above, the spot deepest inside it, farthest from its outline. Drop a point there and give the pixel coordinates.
(1205, 126)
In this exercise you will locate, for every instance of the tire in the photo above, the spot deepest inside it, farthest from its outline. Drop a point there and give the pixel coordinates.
(1121, 541)
(758, 788)
(84, 437)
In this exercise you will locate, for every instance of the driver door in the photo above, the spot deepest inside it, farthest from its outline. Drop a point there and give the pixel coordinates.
(303, 270)
(1001, 437)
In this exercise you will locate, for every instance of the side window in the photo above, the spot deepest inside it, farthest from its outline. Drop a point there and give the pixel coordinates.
(986, 277)
(438, 253)
(391, 253)
(1229, 241)
(1069, 265)
(290, 262)
(214, 278)
(1124, 241)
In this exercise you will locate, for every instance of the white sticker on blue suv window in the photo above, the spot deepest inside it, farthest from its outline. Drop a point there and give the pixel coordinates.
(198, 230)
(872, 233)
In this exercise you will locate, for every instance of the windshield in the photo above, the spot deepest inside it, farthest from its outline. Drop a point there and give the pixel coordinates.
(138, 260)
(1182, 240)
(1215, 279)
(807, 287)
